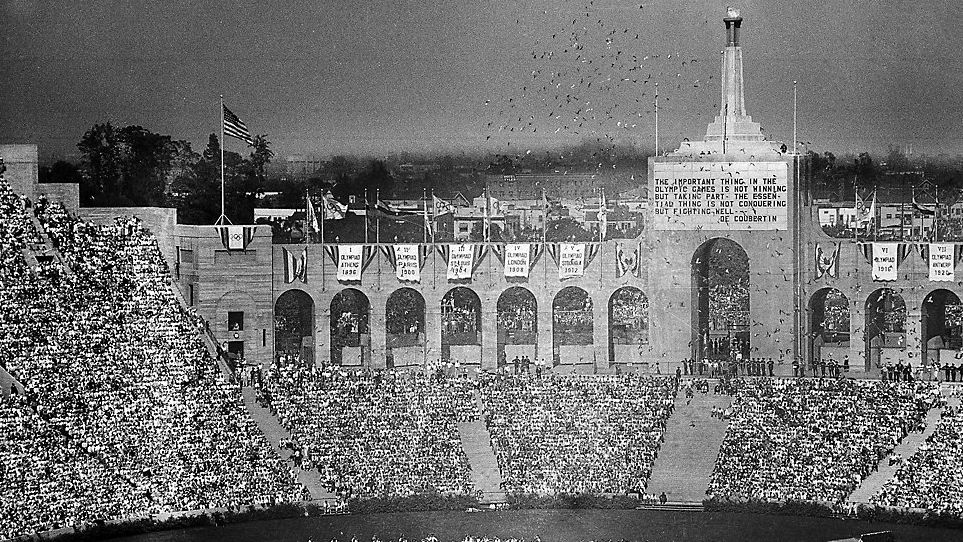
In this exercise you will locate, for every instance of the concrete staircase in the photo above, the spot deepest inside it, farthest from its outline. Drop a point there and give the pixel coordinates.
(907, 447)
(691, 444)
(275, 432)
(477, 443)
(476, 440)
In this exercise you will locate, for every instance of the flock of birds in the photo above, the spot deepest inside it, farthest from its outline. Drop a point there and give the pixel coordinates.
(595, 71)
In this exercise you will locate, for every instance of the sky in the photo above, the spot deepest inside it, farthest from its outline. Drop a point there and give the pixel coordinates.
(326, 77)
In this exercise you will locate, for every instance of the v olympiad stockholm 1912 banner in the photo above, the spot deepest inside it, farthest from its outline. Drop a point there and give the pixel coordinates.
(720, 195)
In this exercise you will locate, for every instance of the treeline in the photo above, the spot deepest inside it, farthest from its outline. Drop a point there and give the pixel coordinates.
(132, 166)
(838, 178)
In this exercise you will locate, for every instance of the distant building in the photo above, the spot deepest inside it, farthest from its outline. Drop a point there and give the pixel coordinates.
(555, 185)
(300, 166)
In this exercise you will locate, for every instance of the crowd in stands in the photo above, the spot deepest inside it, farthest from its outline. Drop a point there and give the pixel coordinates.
(812, 440)
(121, 387)
(457, 319)
(932, 478)
(574, 433)
(520, 315)
(390, 434)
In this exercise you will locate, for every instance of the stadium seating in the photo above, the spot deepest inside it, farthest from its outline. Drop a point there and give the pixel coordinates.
(576, 434)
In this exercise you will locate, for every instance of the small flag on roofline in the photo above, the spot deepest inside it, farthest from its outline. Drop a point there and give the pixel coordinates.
(236, 128)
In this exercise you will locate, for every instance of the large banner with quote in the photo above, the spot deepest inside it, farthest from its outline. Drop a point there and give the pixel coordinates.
(732, 196)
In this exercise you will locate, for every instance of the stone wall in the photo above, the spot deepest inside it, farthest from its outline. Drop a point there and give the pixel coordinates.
(22, 168)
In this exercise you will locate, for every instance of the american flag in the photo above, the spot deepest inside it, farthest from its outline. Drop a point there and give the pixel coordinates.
(234, 127)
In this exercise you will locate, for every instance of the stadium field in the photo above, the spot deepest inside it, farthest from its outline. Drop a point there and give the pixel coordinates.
(552, 525)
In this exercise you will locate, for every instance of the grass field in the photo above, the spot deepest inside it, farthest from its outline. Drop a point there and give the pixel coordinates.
(553, 525)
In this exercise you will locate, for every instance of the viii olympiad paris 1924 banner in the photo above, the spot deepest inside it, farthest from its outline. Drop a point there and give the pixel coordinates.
(720, 195)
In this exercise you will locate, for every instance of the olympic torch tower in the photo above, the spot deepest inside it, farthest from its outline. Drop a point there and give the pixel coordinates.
(715, 205)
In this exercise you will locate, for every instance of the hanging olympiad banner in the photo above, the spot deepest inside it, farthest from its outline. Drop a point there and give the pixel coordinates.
(517, 258)
(350, 262)
(460, 261)
(942, 262)
(571, 260)
(407, 265)
(884, 261)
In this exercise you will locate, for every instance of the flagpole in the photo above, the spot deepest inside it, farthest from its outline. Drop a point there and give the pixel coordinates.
(434, 215)
(324, 204)
(424, 214)
(794, 118)
(377, 217)
(656, 119)
(366, 215)
(223, 217)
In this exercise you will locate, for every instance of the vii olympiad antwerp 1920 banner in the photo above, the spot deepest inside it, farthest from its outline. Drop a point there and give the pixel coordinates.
(720, 195)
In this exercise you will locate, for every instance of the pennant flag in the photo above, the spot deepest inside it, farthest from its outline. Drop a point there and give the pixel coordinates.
(553, 250)
(942, 262)
(924, 209)
(428, 233)
(902, 251)
(884, 261)
(867, 250)
(235, 128)
(591, 251)
(236, 237)
(350, 262)
(444, 250)
(571, 260)
(460, 261)
(441, 207)
(392, 210)
(517, 260)
(332, 209)
(603, 216)
(406, 263)
(295, 267)
(312, 218)
(627, 262)
(827, 263)
(864, 214)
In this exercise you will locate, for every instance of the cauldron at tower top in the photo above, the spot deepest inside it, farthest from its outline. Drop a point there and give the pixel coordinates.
(732, 131)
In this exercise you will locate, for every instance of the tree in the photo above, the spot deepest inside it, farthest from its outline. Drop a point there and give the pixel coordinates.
(61, 172)
(128, 166)
(100, 165)
(197, 192)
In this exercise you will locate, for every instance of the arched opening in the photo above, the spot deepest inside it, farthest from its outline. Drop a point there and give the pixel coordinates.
(350, 338)
(517, 326)
(572, 326)
(941, 321)
(294, 325)
(884, 329)
(829, 326)
(720, 302)
(461, 332)
(405, 328)
(628, 324)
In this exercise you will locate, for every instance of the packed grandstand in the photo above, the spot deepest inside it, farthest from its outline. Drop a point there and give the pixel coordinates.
(124, 412)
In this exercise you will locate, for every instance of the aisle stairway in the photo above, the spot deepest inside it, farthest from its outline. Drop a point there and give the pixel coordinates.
(907, 447)
(476, 441)
(275, 432)
(688, 453)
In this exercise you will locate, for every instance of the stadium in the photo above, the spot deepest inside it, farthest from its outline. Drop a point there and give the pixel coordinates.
(212, 384)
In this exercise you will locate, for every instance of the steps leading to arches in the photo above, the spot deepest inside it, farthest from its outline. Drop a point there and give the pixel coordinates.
(906, 448)
(477, 443)
(274, 432)
(485, 476)
(689, 449)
